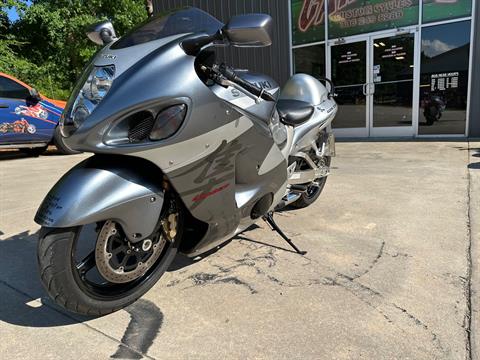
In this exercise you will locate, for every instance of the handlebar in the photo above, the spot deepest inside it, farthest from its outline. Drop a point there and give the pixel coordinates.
(231, 75)
(332, 87)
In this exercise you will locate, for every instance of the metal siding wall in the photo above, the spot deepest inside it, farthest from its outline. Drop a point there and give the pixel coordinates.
(474, 125)
(274, 60)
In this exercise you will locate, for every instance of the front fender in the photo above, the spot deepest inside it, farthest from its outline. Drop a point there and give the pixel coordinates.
(103, 188)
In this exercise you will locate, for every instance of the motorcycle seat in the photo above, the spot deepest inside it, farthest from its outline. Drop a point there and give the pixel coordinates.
(294, 112)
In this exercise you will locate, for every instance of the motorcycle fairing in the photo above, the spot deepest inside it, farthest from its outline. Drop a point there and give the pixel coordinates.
(222, 189)
(109, 189)
(228, 144)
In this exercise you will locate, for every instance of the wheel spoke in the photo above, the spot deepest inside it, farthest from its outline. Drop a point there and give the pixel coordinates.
(125, 259)
(87, 263)
(118, 251)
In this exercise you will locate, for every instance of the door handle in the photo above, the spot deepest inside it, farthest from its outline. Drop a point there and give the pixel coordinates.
(367, 89)
(364, 87)
(4, 106)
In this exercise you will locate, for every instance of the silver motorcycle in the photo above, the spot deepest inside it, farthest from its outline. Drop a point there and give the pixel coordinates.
(187, 154)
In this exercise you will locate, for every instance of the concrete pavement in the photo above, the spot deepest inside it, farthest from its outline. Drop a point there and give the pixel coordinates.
(392, 247)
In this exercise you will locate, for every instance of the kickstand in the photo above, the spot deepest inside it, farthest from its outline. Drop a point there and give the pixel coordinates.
(269, 220)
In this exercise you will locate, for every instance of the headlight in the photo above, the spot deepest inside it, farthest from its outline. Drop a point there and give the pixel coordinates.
(88, 96)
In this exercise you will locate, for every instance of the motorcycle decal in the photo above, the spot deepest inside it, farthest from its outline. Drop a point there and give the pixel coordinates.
(36, 111)
(217, 168)
(51, 109)
(204, 196)
(18, 127)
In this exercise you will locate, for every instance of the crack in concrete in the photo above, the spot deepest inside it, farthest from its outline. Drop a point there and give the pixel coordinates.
(368, 296)
(467, 323)
(203, 279)
(374, 262)
(372, 298)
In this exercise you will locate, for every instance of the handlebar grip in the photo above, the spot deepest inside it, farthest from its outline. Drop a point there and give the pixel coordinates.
(231, 75)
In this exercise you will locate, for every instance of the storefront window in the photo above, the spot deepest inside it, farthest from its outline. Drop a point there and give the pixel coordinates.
(436, 10)
(349, 63)
(444, 78)
(310, 60)
(393, 78)
(308, 21)
(361, 16)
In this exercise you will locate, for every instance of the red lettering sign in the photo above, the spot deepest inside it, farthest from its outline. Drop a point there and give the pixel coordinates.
(312, 14)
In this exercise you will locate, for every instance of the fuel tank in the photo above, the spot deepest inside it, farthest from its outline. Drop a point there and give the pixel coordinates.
(305, 88)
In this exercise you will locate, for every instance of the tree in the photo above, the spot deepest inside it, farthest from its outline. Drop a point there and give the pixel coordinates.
(49, 41)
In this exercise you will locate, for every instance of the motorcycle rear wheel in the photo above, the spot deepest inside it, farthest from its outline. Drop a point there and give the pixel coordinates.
(70, 286)
(313, 191)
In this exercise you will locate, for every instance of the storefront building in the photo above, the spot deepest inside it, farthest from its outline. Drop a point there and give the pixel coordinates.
(401, 67)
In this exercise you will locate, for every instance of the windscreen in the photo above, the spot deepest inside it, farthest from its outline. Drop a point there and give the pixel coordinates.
(179, 21)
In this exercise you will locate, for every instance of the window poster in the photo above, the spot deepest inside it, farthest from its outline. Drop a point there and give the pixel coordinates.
(437, 10)
(351, 17)
(308, 21)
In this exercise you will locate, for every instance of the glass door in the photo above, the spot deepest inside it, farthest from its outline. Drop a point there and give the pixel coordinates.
(374, 79)
(349, 62)
(391, 85)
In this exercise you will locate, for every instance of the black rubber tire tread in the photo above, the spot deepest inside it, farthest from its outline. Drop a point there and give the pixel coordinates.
(60, 145)
(305, 201)
(57, 276)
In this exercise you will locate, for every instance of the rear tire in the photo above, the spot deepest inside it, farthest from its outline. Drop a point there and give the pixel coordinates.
(60, 144)
(307, 199)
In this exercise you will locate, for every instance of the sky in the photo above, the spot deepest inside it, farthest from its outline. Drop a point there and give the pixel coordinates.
(12, 14)
(442, 38)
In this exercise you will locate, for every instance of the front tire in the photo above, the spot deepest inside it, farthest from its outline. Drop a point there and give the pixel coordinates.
(60, 144)
(69, 279)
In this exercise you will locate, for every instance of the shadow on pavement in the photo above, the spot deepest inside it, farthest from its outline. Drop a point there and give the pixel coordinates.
(21, 290)
(23, 300)
(20, 281)
(13, 154)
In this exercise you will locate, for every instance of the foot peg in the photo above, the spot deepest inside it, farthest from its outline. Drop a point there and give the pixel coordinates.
(269, 220)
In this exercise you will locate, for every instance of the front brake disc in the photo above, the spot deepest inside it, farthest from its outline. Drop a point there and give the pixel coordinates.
(120, 261)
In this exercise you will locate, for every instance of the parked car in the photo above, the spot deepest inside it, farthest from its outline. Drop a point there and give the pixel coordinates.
(28, 120)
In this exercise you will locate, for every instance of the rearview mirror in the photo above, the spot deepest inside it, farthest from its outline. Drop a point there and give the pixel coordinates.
(251, 30)
(34, 93)
(102, 33)
(33, 98)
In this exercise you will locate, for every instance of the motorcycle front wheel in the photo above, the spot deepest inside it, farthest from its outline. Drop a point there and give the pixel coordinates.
(95, 270)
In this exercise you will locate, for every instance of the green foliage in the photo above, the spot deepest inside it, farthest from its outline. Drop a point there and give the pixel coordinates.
(47, 47)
